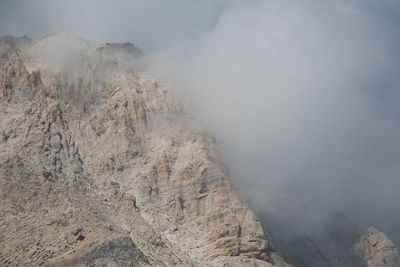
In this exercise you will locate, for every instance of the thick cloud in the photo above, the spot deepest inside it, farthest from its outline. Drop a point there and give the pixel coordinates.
(303, 96)
(150, 24)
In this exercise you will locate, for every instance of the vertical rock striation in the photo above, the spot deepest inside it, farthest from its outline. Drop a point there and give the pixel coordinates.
(378, 250)
(100, 164)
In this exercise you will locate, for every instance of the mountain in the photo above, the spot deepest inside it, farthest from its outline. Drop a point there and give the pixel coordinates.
(335, 241)
(378, 250)
(102, 164)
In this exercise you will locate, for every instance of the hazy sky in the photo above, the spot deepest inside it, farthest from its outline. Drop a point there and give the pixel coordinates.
(150, 24)
(304, 99)
(303, 96)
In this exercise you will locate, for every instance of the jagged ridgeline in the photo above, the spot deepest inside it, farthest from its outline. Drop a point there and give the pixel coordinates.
(101, 164)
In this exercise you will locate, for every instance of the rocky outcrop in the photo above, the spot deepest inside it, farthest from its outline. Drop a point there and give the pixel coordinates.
(100, 164)
(378, 250)
(332, 241)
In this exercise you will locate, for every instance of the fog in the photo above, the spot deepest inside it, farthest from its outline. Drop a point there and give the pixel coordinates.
(150, 24)
(303, 96)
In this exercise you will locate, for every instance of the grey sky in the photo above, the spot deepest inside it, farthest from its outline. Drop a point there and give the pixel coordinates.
(303, 96)
(151, 24)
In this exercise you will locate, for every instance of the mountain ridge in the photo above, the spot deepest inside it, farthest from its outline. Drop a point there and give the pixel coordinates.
(103, 164)
(85, 138)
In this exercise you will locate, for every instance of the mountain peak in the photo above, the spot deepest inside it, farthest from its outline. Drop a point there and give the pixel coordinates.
(98, 156)
(378, 249)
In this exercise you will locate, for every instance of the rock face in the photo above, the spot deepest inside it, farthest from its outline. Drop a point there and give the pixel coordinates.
(335, 241)
(378, 250)
(331, 242)
(103, 165)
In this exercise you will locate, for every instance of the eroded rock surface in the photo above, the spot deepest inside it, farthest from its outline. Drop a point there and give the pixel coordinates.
(101, 164)
(378, 250)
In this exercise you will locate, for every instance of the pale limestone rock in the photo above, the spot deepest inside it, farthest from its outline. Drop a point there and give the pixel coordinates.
(90, 142)
(378, 250)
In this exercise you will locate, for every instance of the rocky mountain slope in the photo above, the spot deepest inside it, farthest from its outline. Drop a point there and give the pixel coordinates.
(101, 164)
(378, 250)
(335, 241)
